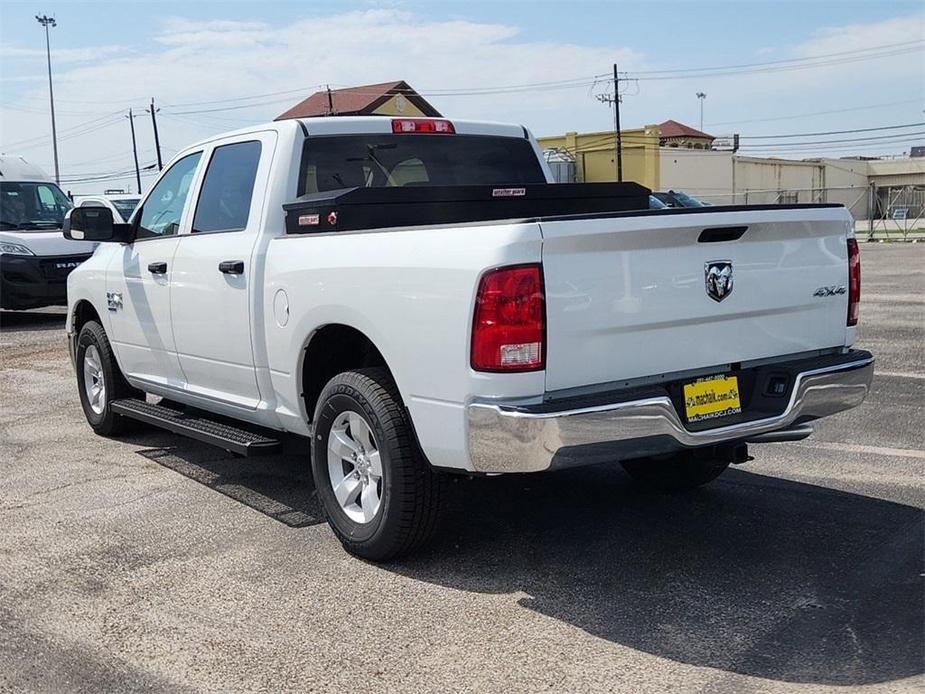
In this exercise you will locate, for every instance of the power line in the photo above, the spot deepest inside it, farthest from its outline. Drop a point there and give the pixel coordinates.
(782, 68)
(147, 170)
(855, 51)
(44, 138)
(824, 142)
(833, 132)
(816, 113)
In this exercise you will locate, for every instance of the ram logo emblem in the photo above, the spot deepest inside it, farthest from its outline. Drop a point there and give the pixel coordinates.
(718, 276)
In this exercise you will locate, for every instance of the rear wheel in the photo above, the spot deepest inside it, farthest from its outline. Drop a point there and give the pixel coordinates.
(685, 470)
(99, 381)
(380, 496)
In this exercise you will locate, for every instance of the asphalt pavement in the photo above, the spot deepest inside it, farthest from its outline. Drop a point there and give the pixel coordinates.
(154, 563)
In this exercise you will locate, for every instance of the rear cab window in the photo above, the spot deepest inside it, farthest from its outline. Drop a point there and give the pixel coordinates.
(332, 162)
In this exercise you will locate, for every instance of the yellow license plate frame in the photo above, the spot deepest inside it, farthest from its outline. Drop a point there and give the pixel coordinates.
(712, 397)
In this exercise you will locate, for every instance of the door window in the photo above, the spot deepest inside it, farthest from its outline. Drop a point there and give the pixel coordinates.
(225, 199)
(163, 207)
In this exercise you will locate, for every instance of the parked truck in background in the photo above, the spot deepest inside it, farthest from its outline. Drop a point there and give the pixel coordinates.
(414, 298)
(35, 258)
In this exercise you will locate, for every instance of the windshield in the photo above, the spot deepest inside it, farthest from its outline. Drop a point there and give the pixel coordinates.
(32, 205)
(687, 200)
(373, 161)
(126, 206)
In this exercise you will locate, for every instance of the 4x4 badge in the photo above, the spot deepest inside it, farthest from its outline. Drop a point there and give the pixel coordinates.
(718, 278)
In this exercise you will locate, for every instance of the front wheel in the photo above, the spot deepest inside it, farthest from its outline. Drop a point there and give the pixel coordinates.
(380, 496)
(99, 381)
(685, 470)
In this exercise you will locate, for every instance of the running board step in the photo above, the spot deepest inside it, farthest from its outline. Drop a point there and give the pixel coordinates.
(231, 438)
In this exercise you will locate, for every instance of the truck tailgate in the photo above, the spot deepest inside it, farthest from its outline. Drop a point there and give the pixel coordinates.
(626, 296)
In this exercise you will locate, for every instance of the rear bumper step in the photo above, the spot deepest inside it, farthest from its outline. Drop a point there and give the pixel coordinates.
(231, 438)
(509, 438)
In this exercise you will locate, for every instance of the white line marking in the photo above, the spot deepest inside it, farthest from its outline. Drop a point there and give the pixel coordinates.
(873, 450)
(901, 374)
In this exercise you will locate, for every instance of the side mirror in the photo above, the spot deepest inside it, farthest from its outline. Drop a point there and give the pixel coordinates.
(94, 224)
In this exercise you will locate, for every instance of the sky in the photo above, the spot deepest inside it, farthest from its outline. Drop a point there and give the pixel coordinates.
(217, 66)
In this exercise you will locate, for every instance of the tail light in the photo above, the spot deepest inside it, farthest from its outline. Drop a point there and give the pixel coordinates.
(422, 125)
(508, 332)
(854, 282)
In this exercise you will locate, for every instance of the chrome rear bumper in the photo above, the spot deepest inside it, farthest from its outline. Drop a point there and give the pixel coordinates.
(509, 438)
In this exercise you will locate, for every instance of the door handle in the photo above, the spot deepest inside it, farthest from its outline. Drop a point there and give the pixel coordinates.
(157, 268)
(232, 267)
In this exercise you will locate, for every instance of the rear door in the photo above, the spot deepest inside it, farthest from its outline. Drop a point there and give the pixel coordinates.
(630, 297)
(213, 279)
(139, 278)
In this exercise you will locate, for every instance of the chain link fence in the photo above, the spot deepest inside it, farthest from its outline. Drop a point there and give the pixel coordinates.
(895, 213)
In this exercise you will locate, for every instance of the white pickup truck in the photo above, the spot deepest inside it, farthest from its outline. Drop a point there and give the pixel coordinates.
(414, 298)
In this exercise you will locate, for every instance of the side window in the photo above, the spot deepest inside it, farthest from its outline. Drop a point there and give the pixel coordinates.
(49, 203)
(46, 198)
(164, 206)
(225, 199)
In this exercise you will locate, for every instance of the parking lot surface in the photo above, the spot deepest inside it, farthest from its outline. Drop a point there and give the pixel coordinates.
(153, 562)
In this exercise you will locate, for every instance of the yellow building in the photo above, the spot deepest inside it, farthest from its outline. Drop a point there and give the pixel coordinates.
(594, 155)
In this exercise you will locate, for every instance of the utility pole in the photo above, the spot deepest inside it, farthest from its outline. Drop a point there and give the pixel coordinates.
(616, 121)
(330, 102)
(157, 142)
(47, 21)
(701, 96)
(131, 122)
(618, 136)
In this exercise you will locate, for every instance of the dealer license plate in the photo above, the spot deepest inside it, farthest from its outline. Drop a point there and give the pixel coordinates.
(711, 398)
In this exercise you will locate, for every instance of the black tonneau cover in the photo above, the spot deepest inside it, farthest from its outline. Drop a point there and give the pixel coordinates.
(353, 209)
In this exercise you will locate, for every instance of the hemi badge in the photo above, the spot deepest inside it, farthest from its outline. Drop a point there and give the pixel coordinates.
(508, 192)
(307, 220)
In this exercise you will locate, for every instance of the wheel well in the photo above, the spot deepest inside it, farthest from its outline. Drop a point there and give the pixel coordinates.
(83, 313)
(333, 350)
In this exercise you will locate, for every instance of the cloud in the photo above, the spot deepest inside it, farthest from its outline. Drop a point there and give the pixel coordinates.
(860, 36)
(189, 63)
(62, 55)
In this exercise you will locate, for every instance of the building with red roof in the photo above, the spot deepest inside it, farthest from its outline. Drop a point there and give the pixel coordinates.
(385, 99)
(675, 134)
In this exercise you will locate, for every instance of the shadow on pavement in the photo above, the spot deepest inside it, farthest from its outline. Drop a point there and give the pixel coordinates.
(278, 486)
(752, 575)
(20, 321)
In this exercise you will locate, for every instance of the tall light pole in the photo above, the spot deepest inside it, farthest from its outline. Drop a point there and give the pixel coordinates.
(701, 96)
(47, 21)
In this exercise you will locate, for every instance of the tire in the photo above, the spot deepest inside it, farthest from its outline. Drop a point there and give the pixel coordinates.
(95, 359)
(686, 470)
(390, 497)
